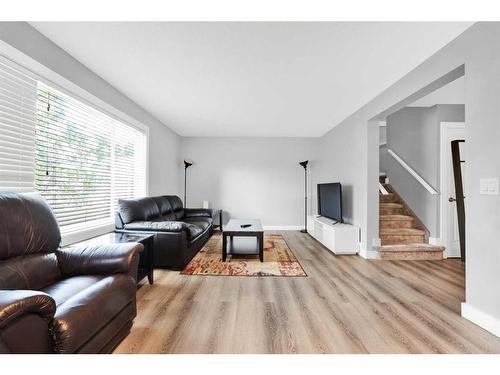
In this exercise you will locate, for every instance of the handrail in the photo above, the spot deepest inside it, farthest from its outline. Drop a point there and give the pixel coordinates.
(382, 189)
(411, 171)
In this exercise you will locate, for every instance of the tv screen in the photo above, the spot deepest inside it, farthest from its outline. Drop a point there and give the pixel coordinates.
(330, 201)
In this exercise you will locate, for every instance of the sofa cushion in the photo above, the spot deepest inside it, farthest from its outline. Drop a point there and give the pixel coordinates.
(157, 226)
(203, 224)
(140, 209)
(163, 205)
(177, 207)
(63, 290)
(192, 230)
(89, 310)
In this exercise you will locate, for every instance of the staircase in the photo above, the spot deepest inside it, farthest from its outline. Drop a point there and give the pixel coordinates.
(402, 236)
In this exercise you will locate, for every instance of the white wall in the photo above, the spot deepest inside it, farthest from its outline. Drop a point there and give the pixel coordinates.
(350, 150)
(164, 146)
(453, 93)
(251, 177)
(413, 133)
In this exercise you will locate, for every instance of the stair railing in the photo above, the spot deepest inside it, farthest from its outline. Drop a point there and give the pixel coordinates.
(411, 171)
(382, 189)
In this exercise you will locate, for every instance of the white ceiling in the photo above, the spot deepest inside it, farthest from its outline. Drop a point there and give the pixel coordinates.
(251, 79)
(452, 93)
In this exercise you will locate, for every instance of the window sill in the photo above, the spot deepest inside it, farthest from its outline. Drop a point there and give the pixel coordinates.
(69, 237)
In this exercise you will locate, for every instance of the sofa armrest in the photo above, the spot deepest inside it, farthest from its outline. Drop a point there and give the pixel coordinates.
(118, 221)
(99, 259)
(198, 212)
(15, 303)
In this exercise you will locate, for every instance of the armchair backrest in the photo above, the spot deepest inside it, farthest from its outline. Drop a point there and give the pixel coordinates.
(29, 235)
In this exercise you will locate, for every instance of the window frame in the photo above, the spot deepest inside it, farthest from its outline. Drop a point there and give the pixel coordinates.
(27, 65)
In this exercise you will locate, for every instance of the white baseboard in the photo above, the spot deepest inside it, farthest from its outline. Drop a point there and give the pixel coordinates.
(283, 227)
(370, 254)
(367, 254)
(482, 319)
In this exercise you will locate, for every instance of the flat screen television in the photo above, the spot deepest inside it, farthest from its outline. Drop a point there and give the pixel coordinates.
(330, 201)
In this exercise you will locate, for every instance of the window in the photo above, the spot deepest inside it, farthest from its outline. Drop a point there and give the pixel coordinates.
(79, 158)
(85, 160)
(17, 130)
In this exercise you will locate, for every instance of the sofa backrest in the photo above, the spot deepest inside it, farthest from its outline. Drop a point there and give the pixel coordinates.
(177, 207)
(29, 235)
(141, 209)
(166, 211)
(163, 205)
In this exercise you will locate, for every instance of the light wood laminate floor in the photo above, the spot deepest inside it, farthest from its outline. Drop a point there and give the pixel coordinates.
(347, 304)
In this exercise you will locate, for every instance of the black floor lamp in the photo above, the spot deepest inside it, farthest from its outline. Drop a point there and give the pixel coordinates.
(187, 164)
(304, 164)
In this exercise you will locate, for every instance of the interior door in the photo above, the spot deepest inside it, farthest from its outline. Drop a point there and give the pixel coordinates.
(453, 238)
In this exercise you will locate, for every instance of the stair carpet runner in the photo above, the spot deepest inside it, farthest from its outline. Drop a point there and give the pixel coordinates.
(400, 237)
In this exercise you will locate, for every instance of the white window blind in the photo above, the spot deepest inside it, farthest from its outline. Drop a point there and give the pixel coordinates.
(17, 129)
(85, 160)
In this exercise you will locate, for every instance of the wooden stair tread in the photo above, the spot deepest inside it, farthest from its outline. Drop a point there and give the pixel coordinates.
(390, 205)
(401, 231)
(415, 247)
(395, 217)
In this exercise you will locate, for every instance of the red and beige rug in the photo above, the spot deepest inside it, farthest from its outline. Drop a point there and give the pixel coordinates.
(278, 260)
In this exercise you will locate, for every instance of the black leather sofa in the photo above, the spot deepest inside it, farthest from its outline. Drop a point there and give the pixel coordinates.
(56, 300)
(179, 232)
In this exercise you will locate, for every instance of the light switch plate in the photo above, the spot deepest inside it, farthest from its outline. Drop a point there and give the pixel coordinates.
(489, 186)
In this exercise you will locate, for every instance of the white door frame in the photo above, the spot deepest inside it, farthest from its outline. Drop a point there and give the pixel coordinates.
(443, 183)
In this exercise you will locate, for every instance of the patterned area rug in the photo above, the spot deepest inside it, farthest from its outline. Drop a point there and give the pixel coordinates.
(278, 260)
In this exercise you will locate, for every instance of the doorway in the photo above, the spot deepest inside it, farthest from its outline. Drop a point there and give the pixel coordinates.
(450, 238)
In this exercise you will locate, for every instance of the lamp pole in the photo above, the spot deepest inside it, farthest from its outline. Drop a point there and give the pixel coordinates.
(304, 164)
(187, 164)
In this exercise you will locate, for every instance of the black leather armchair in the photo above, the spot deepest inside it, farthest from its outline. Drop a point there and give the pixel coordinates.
(179, 232)
(78, 300)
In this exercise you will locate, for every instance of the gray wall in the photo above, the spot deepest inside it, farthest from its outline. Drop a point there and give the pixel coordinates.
(164, 144)
(341, 160)
(251, 177)
(350, 152)
(414, 134)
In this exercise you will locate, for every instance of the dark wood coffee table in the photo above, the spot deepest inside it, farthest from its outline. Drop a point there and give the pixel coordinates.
(234, 229)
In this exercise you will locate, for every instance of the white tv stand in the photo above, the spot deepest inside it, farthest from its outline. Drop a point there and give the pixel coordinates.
(339, 238)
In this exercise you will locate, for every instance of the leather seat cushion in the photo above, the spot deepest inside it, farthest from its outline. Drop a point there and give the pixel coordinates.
(63, 290)
(157, 226)
(88, 311)
(192, 230)
(203, 224)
